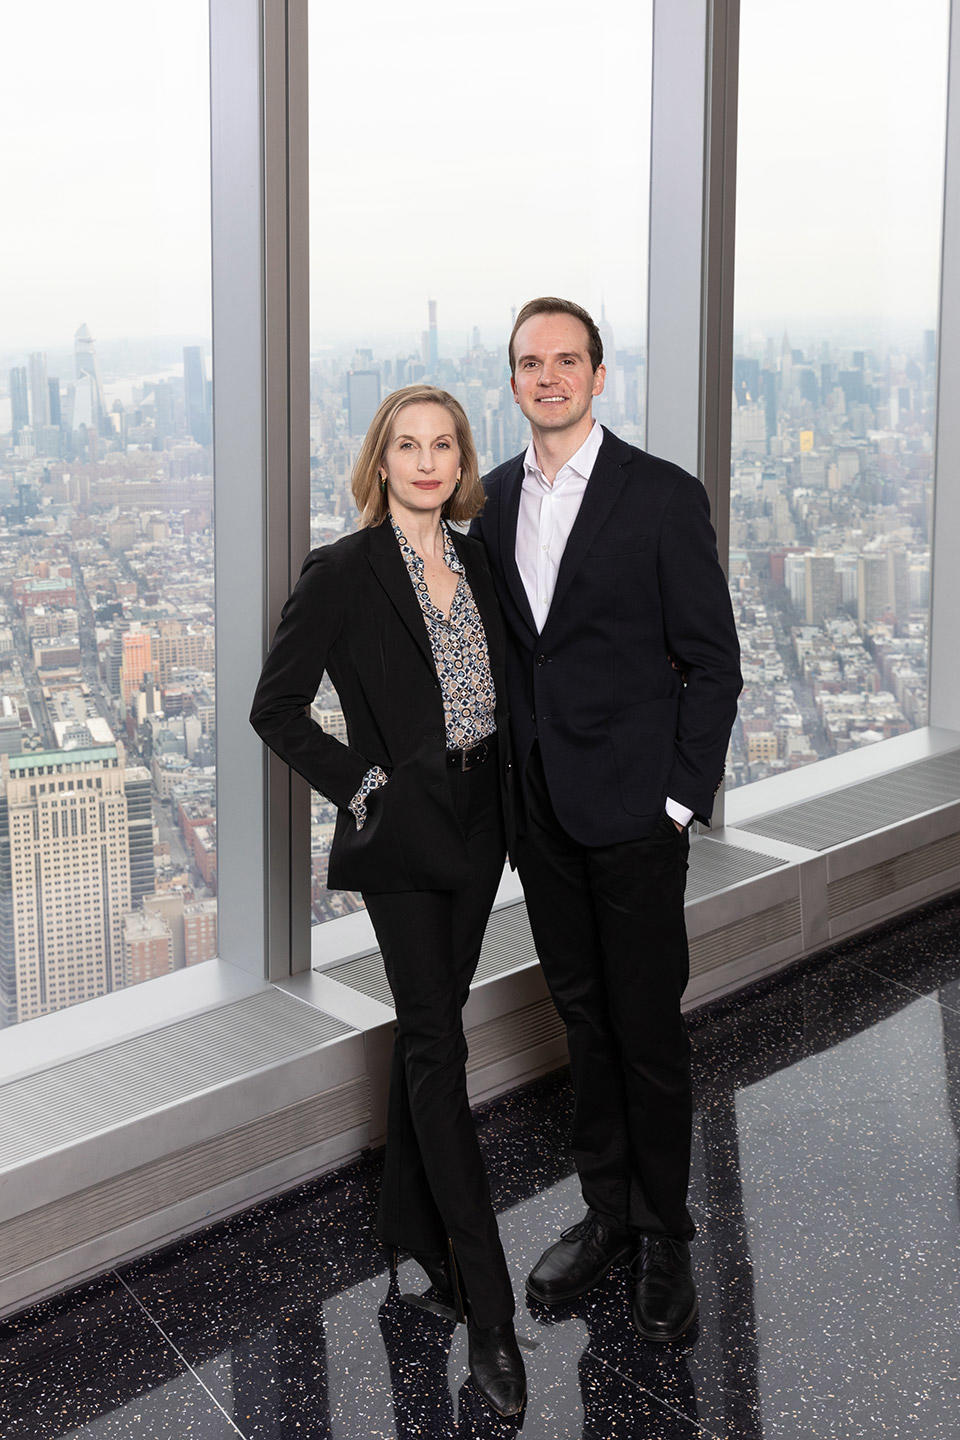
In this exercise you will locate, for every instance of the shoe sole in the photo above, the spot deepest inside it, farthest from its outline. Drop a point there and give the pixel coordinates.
(573, 1294)
(658, 1337)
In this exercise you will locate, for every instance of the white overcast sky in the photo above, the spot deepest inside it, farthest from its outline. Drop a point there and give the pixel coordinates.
(469, 153)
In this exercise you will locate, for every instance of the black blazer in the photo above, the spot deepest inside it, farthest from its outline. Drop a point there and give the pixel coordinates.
(639, 587)
(354, 614)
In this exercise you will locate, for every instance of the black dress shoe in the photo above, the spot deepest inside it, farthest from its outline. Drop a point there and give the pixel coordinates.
(579, 1260)
(496, 1366)
(664, 1297)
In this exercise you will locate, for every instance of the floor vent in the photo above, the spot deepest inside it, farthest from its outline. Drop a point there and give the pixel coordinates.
(873, 804)
(63, 1224)
(56, 1107)
(508, 1035)
(715, 865)
(892, 875)
(754, 932)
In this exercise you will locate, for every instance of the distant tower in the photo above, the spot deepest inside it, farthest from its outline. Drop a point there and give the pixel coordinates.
(433, 355)
(53, 389)
(89, 406)
(609, 345)
(39, 393)
(363, 397)
(19, 400)
(195, 393)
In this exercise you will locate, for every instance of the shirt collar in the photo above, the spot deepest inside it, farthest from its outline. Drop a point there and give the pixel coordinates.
(581, 463)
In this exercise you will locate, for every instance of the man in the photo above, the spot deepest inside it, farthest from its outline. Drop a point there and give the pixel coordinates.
(623, 676)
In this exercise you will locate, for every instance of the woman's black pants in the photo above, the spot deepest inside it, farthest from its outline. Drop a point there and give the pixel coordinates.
(434, 1182)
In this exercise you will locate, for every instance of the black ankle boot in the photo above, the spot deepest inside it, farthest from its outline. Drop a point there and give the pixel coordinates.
(496, 1366)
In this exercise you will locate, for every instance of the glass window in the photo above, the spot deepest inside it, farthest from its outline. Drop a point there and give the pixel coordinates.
(839, 188)
(106, 499)
(462, 161)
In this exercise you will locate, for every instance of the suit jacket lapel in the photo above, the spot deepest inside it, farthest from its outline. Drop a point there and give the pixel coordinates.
(389, 568)
(509, 513)
(607, 480)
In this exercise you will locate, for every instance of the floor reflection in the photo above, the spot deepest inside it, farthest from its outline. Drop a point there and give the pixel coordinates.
(826, 1193)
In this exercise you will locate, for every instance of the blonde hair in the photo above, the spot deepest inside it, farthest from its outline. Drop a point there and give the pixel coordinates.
(371, 500)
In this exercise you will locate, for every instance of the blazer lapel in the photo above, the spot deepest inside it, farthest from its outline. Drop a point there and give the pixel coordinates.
(607, 480)
(485, 595)
(389, 568)
(509, 513)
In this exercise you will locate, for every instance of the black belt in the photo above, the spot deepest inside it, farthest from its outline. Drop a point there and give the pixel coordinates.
(476, 754)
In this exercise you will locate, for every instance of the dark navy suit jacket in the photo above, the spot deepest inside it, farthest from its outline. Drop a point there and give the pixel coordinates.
(640, 602)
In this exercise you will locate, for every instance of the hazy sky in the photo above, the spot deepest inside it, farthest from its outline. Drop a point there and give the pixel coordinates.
(469, 153)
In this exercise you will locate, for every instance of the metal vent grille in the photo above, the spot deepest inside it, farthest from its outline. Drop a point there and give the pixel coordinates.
(845, 814)
(755, 932)
(41, 1233)
(506, 945)
(511, 1034)
(97, 1092)
(892, 875)
(715, 864)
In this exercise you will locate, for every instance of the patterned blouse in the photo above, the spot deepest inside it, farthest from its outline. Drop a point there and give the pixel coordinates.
(459, 646)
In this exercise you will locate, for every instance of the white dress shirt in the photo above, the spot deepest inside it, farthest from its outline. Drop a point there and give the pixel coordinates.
(545, 519)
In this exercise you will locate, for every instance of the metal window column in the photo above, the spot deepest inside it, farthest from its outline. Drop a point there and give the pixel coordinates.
(945, 577)
(692, 229)
(261, 449)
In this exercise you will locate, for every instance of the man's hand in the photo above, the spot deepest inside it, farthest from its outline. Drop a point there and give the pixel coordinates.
(677, 823)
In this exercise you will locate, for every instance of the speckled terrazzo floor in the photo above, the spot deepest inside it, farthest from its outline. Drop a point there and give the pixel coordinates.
(825, 1189)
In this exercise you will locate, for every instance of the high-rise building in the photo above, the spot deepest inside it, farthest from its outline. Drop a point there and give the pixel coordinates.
(137, 660)
(139, 834)
(363, 397)
(873, 588)
(196, 393)
(89, 405)
(56, 412)
(822, 589)
(64, 878)
(147, 947)
(39, 391)
(433, 348)
(19, 400)
(200, 931)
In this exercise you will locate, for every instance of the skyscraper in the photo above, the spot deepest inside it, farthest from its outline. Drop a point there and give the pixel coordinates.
(19, 400)
(39, 393)
(195, 393)
(433, 351)
(89, 405)
(363, 397)
(64, 878)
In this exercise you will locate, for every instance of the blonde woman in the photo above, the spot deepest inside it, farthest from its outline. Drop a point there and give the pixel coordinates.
(403, 617)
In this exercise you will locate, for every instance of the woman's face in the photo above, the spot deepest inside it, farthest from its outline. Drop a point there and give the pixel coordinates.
(422, 458)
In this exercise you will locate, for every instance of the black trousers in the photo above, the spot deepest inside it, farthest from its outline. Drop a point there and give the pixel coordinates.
(609, 929)
(434, 1182)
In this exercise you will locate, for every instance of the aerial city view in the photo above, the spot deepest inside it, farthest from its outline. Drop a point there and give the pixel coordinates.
(107, 724)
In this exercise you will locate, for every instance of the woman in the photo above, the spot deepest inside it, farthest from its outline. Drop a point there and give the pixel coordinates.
(403, 617)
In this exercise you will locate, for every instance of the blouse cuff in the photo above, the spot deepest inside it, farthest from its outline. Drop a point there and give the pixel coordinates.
(374, 779)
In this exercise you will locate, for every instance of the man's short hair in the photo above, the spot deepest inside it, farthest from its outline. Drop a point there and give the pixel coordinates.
(551, 305)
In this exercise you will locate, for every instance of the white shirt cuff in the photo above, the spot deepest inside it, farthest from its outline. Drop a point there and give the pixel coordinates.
(678, 812)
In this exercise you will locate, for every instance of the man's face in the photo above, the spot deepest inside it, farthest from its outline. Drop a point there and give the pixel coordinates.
(553, 382)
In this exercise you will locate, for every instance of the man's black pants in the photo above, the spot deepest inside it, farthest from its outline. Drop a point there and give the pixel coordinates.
(609, 930)
(434, 1182)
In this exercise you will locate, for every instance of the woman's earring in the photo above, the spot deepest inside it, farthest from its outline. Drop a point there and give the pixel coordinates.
(383, 482)
(457, 485)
